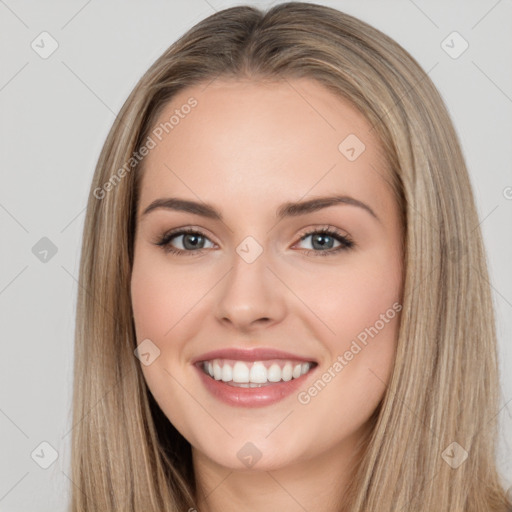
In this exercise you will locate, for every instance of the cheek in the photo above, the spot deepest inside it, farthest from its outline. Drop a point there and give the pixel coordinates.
(161, 296)
(368, 333)
(361, 305)
(160, 299)
(366, 330)
(353, 298)
(364, 315)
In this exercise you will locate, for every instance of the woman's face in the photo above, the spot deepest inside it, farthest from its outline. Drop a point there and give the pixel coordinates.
(252, 169)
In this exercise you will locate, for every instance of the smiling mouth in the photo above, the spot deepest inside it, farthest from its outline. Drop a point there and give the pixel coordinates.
(246, 374)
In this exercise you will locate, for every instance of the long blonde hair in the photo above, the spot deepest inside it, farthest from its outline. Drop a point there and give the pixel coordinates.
(444, 387)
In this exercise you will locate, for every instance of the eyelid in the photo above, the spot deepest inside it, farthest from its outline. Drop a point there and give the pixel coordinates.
(323, 228)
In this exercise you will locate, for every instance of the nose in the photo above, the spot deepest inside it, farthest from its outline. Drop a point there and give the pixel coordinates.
(250, 296)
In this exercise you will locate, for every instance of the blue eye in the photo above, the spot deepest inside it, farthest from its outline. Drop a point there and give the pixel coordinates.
(193, 242)
(324, 239)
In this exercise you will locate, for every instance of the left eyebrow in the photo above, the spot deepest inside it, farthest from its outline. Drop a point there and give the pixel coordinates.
(289, 209)
(293, 209)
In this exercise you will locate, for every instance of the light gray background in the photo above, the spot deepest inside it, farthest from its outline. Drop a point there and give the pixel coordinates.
(55, 115)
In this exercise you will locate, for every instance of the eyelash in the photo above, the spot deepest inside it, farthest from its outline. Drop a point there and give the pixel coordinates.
(346, 243)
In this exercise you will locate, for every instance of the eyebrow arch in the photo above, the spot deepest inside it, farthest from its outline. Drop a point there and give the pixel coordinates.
(289, 209)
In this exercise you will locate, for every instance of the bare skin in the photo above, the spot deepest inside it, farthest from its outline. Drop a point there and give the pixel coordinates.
(247, 148)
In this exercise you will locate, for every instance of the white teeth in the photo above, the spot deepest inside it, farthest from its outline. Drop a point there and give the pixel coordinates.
(274, 373)
(227, 373)
(257, 373)
(217, 370)
(240, 372)
(287, 372)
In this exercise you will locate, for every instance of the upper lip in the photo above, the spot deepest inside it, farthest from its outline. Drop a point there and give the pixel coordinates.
(255, 354)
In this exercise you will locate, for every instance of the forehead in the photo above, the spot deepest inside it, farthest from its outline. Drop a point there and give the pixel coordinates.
(255, 141)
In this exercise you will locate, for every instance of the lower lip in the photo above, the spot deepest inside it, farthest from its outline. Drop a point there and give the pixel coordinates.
(251, 397)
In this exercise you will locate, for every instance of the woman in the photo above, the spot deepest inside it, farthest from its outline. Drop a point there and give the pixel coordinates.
(220, 363)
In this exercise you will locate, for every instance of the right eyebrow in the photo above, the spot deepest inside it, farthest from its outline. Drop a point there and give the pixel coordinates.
(184, 205)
